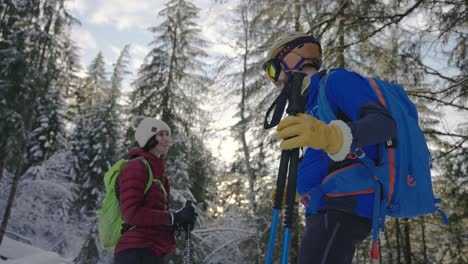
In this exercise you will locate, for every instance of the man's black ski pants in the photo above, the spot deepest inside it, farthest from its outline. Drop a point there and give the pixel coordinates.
(331, 237)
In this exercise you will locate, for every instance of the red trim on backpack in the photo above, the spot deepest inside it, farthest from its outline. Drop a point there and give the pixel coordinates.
(391, 184)
(303, 199)
(391, 152)
(340, 170)
(334, 195)
(377, 91)
(410, 181)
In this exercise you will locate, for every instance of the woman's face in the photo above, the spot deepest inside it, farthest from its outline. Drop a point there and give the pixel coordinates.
(164, 142)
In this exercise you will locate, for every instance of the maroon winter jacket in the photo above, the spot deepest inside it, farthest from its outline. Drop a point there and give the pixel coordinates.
(149, 212)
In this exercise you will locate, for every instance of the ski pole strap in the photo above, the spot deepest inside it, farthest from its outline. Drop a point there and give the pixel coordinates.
(278, 106)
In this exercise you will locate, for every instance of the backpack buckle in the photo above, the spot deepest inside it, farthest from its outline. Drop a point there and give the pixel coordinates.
(359, 152)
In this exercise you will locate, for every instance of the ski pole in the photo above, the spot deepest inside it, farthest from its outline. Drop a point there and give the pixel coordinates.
(187, 239)
(187, 246)
(290, 203)
(294, 107)
(280, 181)
(291, 158)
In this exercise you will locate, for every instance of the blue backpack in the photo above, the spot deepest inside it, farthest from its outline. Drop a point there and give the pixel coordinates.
(401, 181)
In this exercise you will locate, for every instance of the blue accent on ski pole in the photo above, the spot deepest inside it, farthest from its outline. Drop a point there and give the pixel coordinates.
(271, 241)
(286, 239)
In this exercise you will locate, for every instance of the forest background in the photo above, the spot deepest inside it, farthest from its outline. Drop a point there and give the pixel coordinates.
(66, 111)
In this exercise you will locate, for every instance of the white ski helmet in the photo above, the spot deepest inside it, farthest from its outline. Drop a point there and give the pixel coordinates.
(147, 128)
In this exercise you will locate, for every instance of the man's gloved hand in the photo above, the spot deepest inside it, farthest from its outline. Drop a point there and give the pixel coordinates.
(304, 130)
(283, 202)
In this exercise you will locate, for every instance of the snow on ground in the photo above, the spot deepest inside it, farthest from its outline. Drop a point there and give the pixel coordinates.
(19, 253)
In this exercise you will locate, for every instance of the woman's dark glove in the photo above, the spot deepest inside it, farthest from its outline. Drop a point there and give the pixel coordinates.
(185, 217)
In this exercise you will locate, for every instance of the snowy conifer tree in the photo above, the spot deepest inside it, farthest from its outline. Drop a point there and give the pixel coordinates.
(31, 35)
(95, 143)
(170, 86)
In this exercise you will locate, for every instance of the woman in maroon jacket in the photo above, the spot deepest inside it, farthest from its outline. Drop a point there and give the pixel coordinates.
(148, 232)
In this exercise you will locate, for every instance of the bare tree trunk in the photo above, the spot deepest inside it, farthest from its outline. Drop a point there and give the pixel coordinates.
(380, 250)
(2, 166)
(341, 36)
(297, 15)
(407, 250)
(243, 130)
(423, 235)
(398, 248)
(11, 198)
(389, 246)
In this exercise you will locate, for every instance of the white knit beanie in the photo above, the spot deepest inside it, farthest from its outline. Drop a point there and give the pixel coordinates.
(147, 128)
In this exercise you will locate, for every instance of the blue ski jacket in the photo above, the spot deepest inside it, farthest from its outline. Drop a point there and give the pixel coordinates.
(354, 102)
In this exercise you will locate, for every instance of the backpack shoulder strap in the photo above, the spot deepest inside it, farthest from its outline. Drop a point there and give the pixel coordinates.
(151, 178)
(150, 173)
(325, 110)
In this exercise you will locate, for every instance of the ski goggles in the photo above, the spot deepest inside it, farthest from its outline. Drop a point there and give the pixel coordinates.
(273, 69)
(274, 65)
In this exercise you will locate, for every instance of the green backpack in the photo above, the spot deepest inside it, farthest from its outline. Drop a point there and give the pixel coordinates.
(110, 218)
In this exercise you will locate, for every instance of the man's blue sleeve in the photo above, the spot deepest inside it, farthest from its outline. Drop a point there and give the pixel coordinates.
(370, 121)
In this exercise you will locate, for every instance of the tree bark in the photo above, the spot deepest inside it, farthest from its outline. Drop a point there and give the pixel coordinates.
(2, 166)
(407, 250)
(11, 198)
(423, 237)
(243, 129)
(398, 248)
(388, 246)
(340, 62)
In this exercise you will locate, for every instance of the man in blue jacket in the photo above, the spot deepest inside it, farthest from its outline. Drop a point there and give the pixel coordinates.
(335, 224)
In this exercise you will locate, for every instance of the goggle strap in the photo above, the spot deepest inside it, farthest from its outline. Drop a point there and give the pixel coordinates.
(299, 63)
(285, 66)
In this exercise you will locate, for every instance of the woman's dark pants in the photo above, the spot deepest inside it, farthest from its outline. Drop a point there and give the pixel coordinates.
(137, 256)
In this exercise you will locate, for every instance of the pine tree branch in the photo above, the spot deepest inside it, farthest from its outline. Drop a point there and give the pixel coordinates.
(438, 100)
(209, 230)
(430, 70)
(395, 19)
(455, 147)
(446, 90)
(327, 21)
(435, 132)
(221, 247)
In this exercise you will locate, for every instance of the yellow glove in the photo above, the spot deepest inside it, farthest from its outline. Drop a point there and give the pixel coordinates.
(283, 202)
(304, 130)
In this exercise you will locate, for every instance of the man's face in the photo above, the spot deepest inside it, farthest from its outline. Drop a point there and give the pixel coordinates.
(291, 61)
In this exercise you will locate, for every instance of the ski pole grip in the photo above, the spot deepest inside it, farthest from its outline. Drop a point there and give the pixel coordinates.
(291, 191)
(281, 179)
(295, 105)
